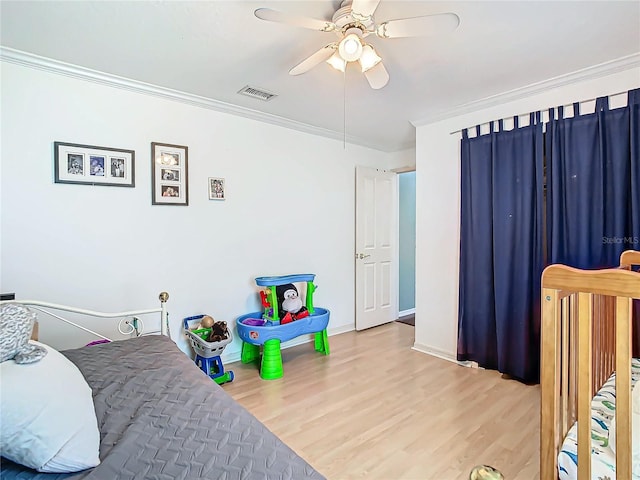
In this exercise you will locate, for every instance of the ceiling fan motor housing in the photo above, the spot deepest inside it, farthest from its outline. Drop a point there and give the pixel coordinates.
(343, 19)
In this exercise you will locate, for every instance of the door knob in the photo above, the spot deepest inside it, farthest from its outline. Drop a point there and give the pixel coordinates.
(361, 255)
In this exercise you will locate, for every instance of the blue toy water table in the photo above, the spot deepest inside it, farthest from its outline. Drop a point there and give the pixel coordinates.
(263, 329)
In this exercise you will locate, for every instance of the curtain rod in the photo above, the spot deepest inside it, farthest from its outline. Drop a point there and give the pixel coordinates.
(543, 111)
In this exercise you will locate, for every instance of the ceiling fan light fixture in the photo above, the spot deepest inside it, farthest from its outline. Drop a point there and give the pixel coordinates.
(350, 47)
(353, 22)
(337, 62)
(369, 58)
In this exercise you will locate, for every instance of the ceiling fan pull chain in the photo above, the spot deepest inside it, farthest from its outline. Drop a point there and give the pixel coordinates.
(344, 108)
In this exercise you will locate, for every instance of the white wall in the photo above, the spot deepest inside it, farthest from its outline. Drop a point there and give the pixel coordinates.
(402, 160)
(289, 207)
(438, 203)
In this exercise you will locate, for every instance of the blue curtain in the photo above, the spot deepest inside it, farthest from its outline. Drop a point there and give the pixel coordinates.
(634, 147)
(501, 249)
(593, 196)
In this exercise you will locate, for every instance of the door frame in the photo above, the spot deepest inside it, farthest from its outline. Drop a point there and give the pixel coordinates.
(398, 171)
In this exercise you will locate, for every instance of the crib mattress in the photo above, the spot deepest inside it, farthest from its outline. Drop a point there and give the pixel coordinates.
(603, 408)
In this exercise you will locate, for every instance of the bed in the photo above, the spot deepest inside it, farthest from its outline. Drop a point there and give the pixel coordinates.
(160, 417)
(587, 372)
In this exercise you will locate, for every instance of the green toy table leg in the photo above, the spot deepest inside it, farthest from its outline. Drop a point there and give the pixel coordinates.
(271, 367)
(250, 352)
(322, 342)
(227, 377)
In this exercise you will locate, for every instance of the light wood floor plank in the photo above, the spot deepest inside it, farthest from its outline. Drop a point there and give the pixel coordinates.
(376, 409)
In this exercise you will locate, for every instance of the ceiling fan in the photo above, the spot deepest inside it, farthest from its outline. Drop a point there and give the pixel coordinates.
(352, 23)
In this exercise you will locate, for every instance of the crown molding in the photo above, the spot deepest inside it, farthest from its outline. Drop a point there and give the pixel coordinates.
(589, 73)
(30, 60)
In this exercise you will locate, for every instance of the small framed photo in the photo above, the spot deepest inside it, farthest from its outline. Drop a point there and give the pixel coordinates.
(216, 188)
(92, 165)
(169, 174)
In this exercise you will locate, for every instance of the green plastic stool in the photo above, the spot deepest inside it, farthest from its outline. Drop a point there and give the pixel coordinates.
(271, 367)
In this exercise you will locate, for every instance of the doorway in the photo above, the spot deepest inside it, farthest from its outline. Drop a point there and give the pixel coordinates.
(407, 247)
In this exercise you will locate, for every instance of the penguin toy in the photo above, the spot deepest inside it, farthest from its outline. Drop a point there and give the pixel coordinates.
(290, 306)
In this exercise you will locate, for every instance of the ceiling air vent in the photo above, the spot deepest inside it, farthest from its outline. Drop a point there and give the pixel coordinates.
(257, 93)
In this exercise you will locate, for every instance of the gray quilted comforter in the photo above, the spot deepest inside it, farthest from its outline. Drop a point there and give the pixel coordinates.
(162, 418)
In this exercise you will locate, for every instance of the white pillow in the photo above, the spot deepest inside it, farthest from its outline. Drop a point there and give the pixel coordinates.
(47, 418)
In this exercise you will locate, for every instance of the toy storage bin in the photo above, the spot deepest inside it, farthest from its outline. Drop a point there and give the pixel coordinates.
(197, 339)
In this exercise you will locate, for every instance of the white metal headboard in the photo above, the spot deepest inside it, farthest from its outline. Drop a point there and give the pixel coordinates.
(130, 322)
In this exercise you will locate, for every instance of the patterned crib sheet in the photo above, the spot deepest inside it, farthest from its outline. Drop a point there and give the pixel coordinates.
(603, 408)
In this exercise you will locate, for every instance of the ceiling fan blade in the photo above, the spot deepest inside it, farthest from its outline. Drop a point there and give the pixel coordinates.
(308, 63)
(377, 76)
(419, 26)
(363, 9)
(295, 20)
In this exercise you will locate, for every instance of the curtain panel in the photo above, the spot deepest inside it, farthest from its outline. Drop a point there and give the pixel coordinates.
(634, 147)
(501, 249)
(592, 177)
(593, 196)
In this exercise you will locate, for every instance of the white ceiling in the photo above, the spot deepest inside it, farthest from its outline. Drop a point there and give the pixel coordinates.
(214, 48)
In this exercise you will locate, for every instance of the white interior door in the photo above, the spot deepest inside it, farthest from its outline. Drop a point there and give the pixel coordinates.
(376, 234)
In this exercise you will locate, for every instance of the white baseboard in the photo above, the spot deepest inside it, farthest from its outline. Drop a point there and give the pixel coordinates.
(236, 356)
(338, 330)
(404, 313)
(444, 355)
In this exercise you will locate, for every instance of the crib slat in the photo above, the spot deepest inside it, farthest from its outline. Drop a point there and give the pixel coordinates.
(549, 385)
(585, 342)
(623, 388)
(595, 326)
(565, 417)
(573, 362)
(611, 328)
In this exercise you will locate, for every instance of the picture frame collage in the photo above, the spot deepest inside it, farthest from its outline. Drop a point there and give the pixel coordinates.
(169, 174)
(76, 163)
(93, 165)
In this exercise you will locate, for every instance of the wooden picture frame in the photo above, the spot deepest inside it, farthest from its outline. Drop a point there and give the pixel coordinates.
(217, 190)
(93, 165)
(169, 174)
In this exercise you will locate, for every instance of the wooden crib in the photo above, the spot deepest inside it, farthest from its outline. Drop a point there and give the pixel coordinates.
(586, 322)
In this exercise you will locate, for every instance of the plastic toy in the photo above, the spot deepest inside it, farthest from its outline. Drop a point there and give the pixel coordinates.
(485, 472)
(207, 321)
(256, 322)
(208, 353)
(278, 323)
(218, 333)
